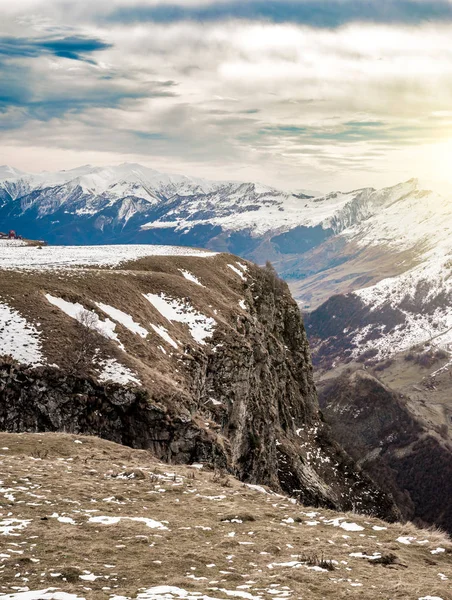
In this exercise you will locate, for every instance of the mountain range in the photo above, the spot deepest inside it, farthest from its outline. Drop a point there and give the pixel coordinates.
(390, 248)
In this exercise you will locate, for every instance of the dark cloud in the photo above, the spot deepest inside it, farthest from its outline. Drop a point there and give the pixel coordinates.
(72, 47)
(315, 13)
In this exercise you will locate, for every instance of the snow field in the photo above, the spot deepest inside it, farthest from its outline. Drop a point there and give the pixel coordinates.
(18, 338)
(67, 257)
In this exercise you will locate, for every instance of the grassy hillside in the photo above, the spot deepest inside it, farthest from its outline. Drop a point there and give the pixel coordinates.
(94, 519)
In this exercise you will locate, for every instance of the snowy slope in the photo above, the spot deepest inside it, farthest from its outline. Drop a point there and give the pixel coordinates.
(13, 257)
(132, 203)
(248, 206)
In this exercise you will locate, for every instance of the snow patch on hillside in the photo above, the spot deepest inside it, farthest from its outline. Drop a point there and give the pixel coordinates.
(86, 317)
(109, 520)
(125, 319)
(47, 594)
(190, 277)
(163, 333)
(114, 371)
(18, 338)
(237, 271)
(201, 327)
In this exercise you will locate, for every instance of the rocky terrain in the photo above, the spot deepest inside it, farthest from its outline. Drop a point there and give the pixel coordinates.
(84, 518)
(194, 355)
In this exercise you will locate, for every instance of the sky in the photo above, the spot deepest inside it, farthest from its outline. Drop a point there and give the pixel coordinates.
(299, 94)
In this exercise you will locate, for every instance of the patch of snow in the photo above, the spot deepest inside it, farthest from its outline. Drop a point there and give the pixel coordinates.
(163, 333)
(190, 277)
(47, 594)
(242, 266)
(214, 402)
(237, 271)
(114, 371)
(168, 592)
(374, 556)
(351, 527)
(86, 317)
(18, 338)
(405, 540)
(12, 526)
(257, 488)
(107, 520)
(201, 327)
(125, 319)
(89, 577)
(67, 520)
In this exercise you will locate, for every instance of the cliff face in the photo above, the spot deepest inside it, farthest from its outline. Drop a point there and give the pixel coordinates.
(244, 399)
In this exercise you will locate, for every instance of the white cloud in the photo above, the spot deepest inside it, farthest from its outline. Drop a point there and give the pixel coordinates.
(283, 103)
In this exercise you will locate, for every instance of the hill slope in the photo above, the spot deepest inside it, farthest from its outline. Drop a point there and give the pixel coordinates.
(141, 530)
(209, 356)
(407, 456)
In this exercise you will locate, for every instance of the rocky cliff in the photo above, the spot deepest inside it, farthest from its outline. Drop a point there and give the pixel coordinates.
(197, 358)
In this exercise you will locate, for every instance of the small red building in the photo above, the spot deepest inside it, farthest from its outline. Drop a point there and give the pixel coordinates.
(12, 235)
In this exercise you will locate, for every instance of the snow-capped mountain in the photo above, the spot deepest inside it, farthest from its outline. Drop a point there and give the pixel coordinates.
(130, 202)
(390, 247)
(133, 203)
(409, 238)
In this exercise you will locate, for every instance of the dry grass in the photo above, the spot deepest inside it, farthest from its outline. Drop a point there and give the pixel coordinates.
(275, 551)
(123, 288)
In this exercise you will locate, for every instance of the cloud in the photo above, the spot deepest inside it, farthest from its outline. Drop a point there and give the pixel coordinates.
(36, 93)
(71, 47)
(288, 103)
(314, 13)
